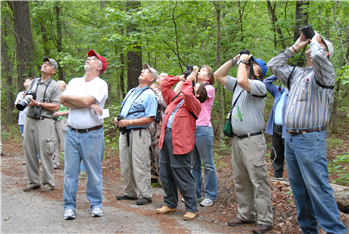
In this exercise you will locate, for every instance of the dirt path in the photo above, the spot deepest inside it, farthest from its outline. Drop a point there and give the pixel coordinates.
(38, 212)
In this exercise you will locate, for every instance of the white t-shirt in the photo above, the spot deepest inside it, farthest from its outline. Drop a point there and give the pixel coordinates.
(22, 114)
(83, 118)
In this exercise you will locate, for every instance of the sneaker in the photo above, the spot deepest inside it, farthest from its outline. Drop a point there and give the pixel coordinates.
(206, 202)
(47, 188)
(189, 216)
(97, 212)
(30, 188)
(166, 210)
(69, 214)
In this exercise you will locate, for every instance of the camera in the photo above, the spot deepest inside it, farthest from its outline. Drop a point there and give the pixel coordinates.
(244, 52)
(123, 129)
(23, 103)
(37, 112)
(188, 71)
(308, 31)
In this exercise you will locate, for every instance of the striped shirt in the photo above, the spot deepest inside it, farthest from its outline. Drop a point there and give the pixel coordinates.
(308, 104)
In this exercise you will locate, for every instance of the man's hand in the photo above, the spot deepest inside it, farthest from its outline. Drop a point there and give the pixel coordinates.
(124, 123)
(116, 122)
(317, 37)
(182, 78)
(97, 109)
(301, 43)
(32, 102)
(246, 57)
(56, 114)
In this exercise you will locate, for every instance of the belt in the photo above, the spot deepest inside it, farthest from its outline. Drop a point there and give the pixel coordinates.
(168, 130)
(135, 129)
(302, 131)
(41, 118)
(86, 130)
(248, 134)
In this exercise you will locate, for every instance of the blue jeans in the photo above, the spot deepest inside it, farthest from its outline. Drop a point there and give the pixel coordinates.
(88, 147)
(203, 151)
(308, 175)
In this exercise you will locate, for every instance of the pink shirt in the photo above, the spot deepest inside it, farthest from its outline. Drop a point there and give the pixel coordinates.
(204, 118)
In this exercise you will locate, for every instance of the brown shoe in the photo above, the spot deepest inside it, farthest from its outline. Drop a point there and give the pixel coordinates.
(189, 216)
(166, 210)
(237, 222)
(47, 188)
(262, 228)
(30, 188)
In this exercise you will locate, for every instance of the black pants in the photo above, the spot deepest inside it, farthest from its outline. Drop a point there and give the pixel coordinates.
(175, 173)
(277, 151)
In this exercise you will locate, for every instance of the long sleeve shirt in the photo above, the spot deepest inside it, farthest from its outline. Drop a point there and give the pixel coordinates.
(276, 93)
(308, 104)
(183, 125)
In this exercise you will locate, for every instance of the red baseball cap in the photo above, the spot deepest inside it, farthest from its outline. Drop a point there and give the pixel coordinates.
(104, 62)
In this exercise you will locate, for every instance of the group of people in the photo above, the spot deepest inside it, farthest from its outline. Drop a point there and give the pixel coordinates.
(179, 121)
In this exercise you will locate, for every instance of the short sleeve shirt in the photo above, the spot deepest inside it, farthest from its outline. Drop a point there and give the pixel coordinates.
(22, 114)
(51, 95)
(248, 113)
(83, 118)
(137, 106)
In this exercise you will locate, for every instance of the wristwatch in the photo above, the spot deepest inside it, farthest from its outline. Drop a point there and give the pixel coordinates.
(38, 104)
(241, 61)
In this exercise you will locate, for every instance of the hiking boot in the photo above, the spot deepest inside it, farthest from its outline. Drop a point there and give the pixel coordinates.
(30, 188)
(237, 222)
(97, 212)
(69, 214)
(262, 228)
(206, 202)
(189, 216)
(143, 201)
(47, 188)
(166, 210)
(125, 197)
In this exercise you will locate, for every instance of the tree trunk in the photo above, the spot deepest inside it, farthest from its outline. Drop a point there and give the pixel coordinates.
(24, 41)
(7, 70)
(301, 18)
(134, 56)
(61, 75)
(276, 29)
(219, 89)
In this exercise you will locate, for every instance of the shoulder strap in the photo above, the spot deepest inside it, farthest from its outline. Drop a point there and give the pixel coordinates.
(192, 114)
(133, 99)
(289, 77)
(232, 107)
(263, 96)
(323, 86)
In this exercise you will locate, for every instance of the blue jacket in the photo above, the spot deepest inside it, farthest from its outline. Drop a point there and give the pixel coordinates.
(276, 93)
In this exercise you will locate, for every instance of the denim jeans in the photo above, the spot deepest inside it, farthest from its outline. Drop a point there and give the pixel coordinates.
(308, 175)
(203, 151)
(88, 147)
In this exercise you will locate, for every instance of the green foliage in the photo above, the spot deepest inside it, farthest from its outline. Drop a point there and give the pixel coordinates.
(334, 142)
(339, 167)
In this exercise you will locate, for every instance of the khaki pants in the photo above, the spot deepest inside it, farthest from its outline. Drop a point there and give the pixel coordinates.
(251, 179)
(39, 138)
(135, 163)
(61, 128)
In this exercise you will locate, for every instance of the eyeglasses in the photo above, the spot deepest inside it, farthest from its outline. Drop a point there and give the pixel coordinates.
(92, 57)
(47, 63)
(96, 59)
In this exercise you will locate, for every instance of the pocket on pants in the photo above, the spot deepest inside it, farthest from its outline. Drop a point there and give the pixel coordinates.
(260, 169)
(50, 146)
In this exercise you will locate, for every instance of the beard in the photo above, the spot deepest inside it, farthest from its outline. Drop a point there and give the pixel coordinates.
(86, 67)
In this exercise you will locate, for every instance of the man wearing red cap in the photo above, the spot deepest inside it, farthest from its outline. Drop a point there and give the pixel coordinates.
(84, 138)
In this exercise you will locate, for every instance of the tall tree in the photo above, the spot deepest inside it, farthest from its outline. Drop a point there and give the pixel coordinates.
(7, 67)
(277, 29)
(301, 17)
(61, 75)
(134, 55)
(24, 41)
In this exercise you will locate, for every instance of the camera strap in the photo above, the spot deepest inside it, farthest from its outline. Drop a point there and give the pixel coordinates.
(37, 85)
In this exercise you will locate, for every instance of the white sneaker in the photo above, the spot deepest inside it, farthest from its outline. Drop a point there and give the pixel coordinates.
(97, 212)
(206, 202)
(69, 214)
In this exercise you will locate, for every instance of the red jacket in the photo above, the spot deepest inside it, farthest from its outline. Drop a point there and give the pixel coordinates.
(183, 125)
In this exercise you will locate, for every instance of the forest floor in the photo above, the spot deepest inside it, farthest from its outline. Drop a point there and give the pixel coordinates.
(38, 212)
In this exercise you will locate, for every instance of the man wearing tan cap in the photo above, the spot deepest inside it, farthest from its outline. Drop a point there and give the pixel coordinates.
(39, 129)
(137, 112)
(84, 139)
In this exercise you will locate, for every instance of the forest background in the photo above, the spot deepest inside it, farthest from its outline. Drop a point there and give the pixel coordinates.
(168, 35)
